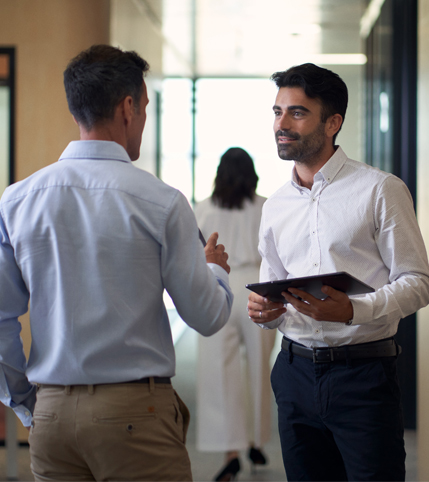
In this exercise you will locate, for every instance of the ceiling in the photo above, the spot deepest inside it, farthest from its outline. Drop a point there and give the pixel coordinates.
(257, 37)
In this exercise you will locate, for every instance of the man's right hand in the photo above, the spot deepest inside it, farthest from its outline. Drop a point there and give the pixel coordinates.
(262, 310)
(216, 253)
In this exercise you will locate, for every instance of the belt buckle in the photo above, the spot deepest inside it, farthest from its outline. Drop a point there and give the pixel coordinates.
(314, 355)
(330, 351)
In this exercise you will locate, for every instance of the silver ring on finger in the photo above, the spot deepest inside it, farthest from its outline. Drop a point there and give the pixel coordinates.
(260, 314)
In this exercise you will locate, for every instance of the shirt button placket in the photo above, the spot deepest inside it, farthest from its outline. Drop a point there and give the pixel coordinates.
(315, 251)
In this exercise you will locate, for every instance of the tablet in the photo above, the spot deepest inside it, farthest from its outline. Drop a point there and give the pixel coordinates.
(200, 234)
(340, 281)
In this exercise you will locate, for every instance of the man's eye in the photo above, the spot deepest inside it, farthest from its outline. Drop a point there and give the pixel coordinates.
(297, 113)
(277, 113)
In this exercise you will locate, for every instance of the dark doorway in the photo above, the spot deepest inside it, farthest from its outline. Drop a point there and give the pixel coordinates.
(391, 87)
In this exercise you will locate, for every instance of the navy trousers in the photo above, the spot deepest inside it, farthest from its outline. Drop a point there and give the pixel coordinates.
(339, 421)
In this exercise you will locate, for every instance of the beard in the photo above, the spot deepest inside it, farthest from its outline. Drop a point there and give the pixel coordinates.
(305, 148)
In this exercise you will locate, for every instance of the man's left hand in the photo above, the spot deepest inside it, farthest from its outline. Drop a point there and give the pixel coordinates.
(335, 307)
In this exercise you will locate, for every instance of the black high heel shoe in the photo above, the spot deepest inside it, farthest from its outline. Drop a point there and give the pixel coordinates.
(256, 457)
(229, 472)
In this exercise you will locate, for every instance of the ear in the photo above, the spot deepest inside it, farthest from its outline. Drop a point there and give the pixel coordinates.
(333, 125)
(126, 107)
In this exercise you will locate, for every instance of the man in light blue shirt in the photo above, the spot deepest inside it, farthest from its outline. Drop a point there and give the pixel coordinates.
(92, 242)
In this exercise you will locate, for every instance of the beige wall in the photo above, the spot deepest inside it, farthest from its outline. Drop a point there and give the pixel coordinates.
(423, 216)
(46, 35)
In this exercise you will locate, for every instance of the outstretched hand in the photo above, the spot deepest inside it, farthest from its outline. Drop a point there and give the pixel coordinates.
(216, 253)
(335, 307)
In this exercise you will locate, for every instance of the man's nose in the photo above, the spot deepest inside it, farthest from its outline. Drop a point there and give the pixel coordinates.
(284, 123)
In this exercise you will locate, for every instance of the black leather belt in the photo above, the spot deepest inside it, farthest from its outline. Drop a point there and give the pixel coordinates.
(373, 349)
(140, 380)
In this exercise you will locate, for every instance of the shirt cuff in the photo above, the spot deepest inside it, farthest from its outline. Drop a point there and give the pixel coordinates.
(219, 272)
(362, 311)
(24, 414)
(271, 325)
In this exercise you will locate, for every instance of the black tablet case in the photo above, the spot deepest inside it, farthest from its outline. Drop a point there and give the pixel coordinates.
(340, 281)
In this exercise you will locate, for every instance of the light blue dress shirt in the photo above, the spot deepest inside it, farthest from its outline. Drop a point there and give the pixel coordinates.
(92, 242)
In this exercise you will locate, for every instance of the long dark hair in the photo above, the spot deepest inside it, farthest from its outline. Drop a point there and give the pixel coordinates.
(236, 179)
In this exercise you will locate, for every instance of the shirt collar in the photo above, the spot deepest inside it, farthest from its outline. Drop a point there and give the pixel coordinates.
(95, 150)
(333, 166)
(328, 171)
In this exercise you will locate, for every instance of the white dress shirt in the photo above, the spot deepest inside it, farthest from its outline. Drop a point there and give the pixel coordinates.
(357, 219)
(92, 242)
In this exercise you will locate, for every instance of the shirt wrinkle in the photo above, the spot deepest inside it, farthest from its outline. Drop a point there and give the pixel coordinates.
(85, 188)
(344, 230)
(92, 260)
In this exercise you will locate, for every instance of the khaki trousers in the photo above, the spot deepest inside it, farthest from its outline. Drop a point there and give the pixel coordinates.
(127, 431)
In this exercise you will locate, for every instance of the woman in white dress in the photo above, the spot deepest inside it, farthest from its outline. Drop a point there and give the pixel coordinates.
(234, 398)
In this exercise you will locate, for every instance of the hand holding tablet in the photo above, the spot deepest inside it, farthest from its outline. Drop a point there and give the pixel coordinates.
(340, 281)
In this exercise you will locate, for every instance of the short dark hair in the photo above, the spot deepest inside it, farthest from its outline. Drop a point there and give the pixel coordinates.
(98, 79)
(235, 180)
(319, 83)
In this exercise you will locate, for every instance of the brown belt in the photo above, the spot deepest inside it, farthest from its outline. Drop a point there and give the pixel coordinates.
(373, 349)
(140, 380)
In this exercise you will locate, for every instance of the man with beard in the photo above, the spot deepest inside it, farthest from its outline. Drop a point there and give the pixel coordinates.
(335, 378)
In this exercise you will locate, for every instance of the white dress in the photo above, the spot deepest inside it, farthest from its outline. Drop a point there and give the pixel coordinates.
(233, 378)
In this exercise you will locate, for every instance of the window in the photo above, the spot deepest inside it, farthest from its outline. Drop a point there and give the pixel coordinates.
(228, 113)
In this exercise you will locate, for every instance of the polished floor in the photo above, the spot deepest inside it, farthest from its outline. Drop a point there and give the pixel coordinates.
(206, 465)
